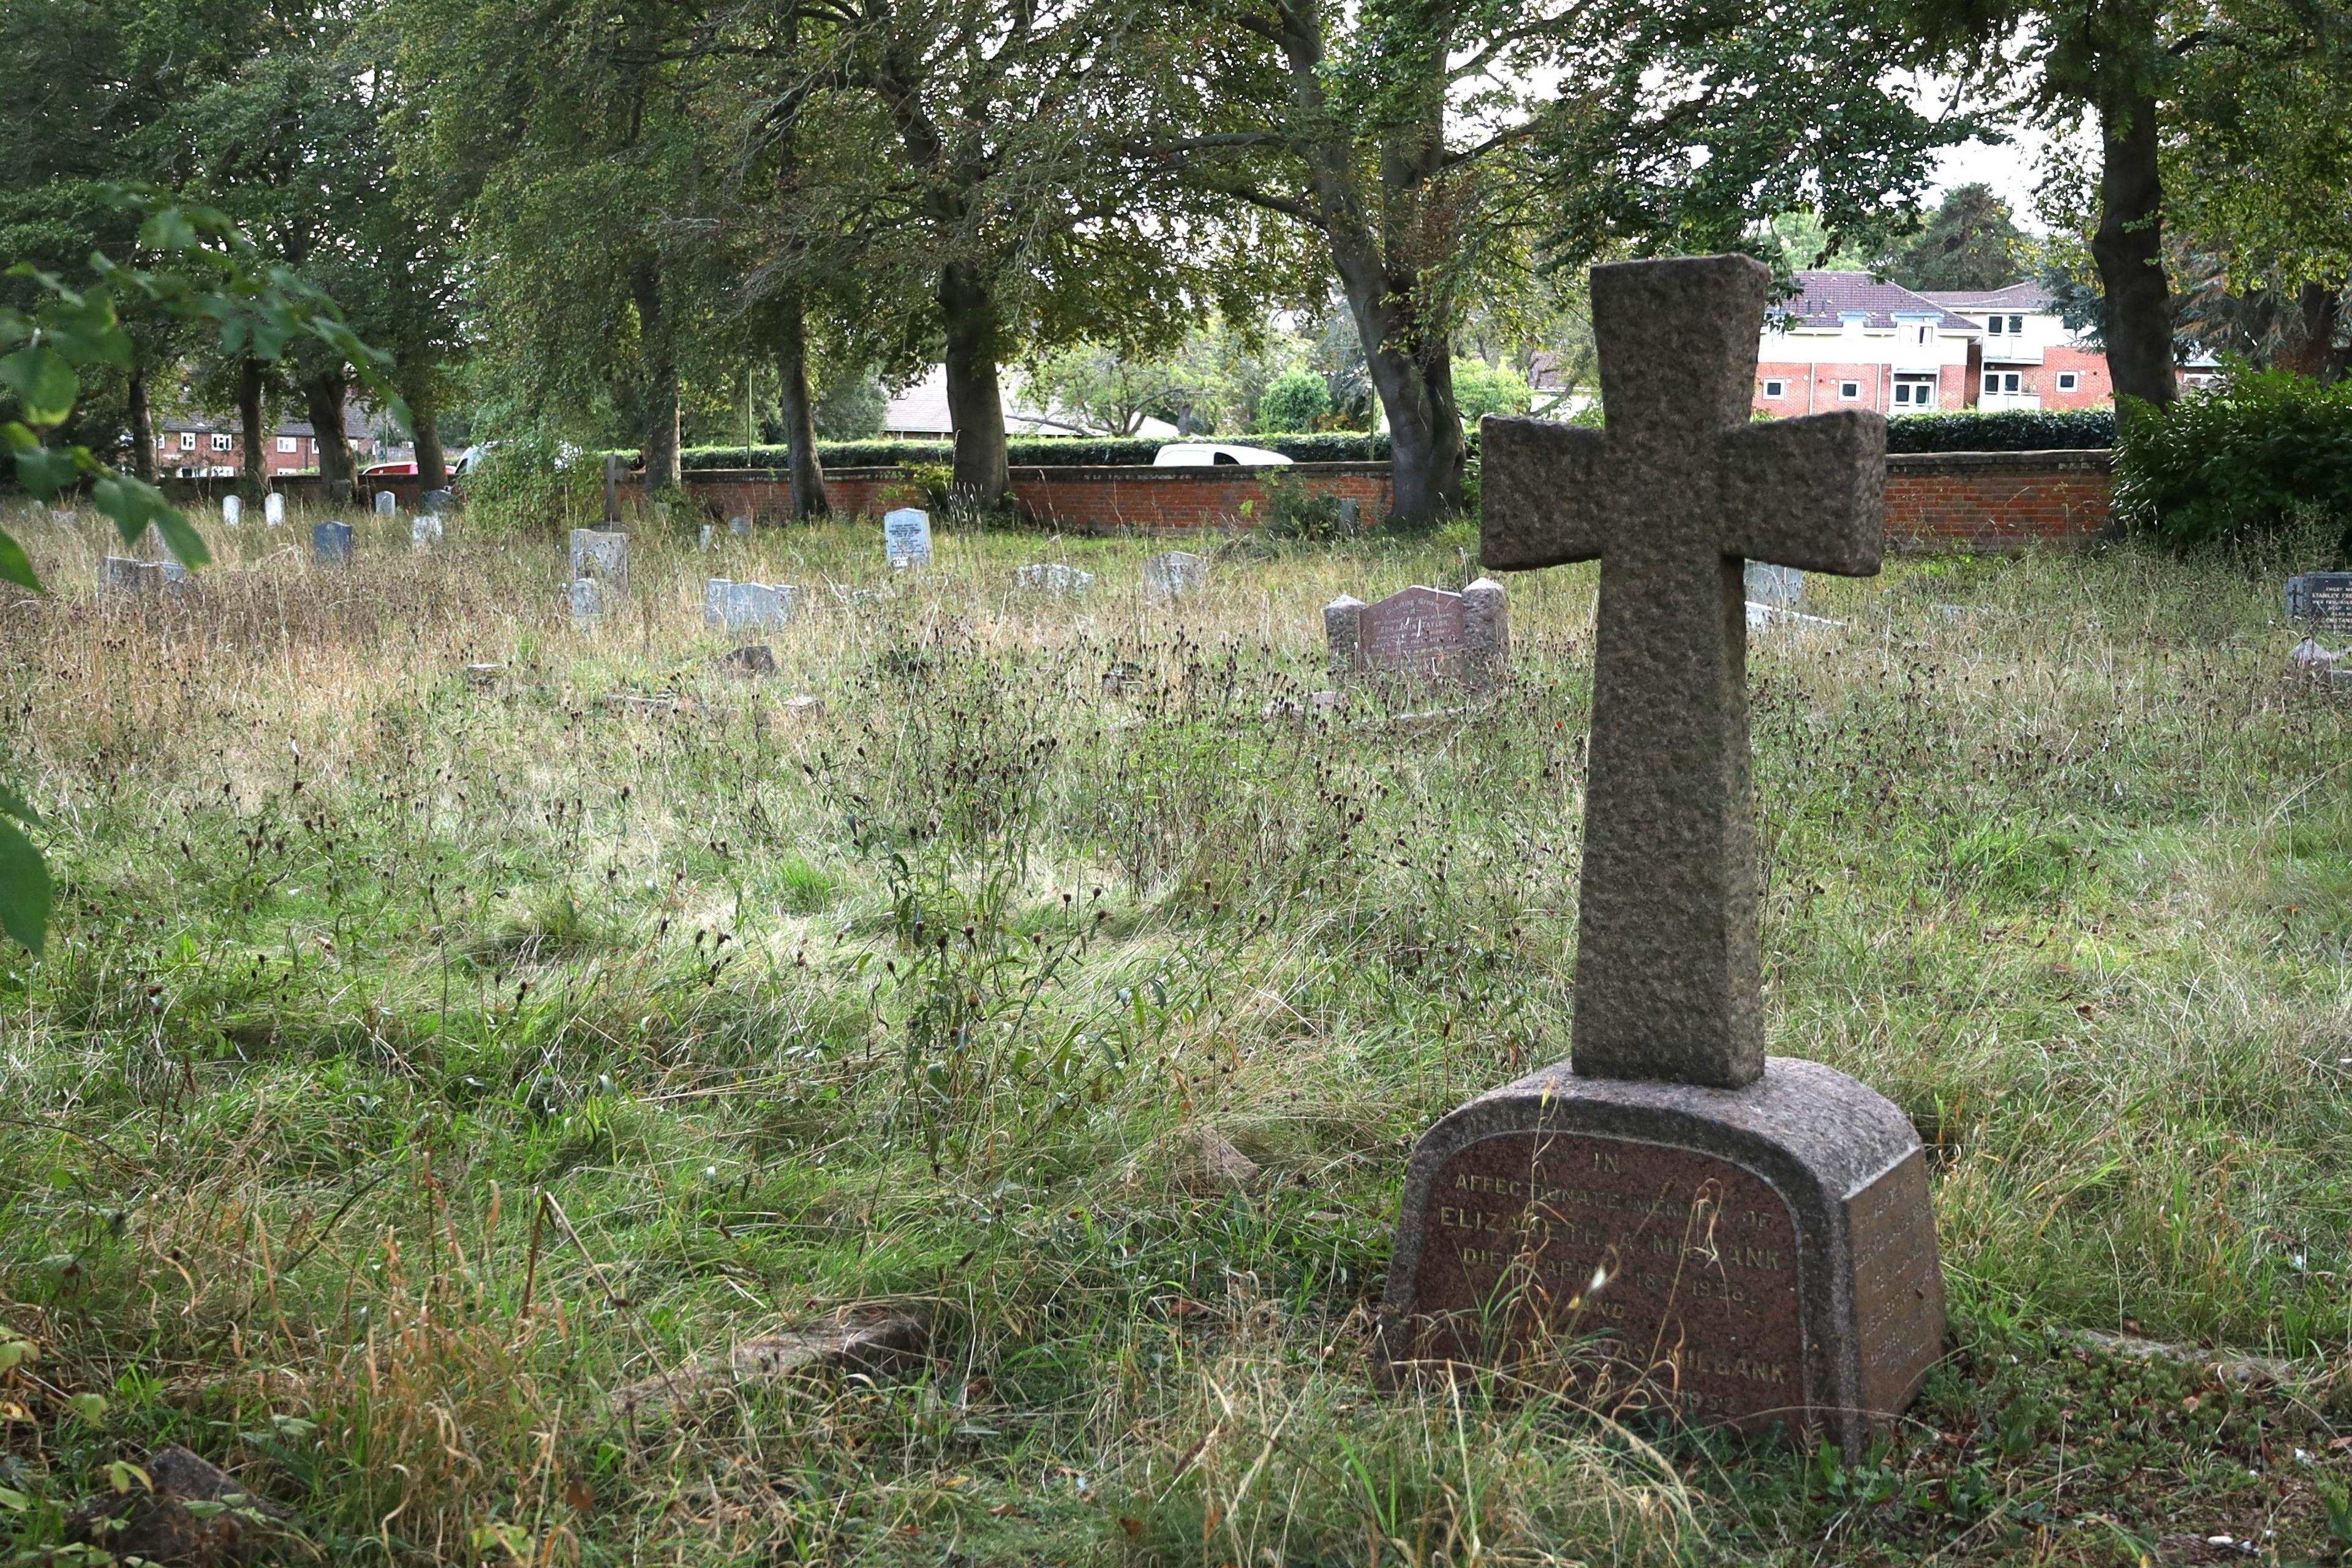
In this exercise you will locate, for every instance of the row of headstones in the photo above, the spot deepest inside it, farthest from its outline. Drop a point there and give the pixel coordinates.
(732, 606)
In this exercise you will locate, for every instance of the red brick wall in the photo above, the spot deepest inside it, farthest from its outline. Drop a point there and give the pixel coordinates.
(1076, 499)
(1813, 388)
(1994, 502)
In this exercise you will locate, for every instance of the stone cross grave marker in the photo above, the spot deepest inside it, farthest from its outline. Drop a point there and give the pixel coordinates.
(231, 511)
(732, 606)
(331, 542)
(1175, 574)
(907, 537)
(1749, 1238)
(602, 554)
(386, 503)
(1426, 633)
(2322, 598)
(273, 509)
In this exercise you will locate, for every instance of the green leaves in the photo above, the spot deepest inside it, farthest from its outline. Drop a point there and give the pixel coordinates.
(42, 382)
(134, 505)
(25, 892)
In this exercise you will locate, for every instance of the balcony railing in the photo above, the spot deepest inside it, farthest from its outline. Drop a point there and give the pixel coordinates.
(2009, 403)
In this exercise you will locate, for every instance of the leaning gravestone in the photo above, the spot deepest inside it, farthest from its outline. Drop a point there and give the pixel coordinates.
(907, 537)
(1175, 574)
(602, 554)
(2322, 598)
(438, 501)
(386, 503)
(734, 606)
(273, 509)
(231, 511)
(1748, 1235)
(331, 542)
(1426, 633)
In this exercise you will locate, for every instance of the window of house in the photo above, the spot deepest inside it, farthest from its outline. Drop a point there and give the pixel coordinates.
(1914, 394)
(220, 441)
(1993, 328)
(2016, 326)
(1997, 381)
(1849, 390)
(1927, 335)
(2068, 381)
(286, 443)
(187, 441)
(1773, 388)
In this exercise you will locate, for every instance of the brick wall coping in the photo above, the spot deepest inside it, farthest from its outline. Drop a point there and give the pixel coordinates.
(2058, 460)
(1095, 473)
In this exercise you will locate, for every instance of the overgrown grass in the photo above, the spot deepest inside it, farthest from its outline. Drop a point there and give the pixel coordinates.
(416, 1060)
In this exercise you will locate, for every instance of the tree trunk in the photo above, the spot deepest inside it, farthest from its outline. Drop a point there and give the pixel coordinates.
(253, 474)
(2129, 249)
(143, 426)
(975, 402)
(1415, 382)
(322, 396)
(657, 410)
(2306, 345)
(425, 419)
(800, 413)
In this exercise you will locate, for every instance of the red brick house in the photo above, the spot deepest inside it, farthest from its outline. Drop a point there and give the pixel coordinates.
(1849, 340)
(200, 446)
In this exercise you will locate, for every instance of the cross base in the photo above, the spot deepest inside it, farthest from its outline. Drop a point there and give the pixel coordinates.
(1753, 1257)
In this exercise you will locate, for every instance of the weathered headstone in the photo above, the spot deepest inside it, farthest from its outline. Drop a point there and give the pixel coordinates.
(120, 577)
(386, 503)
(424, 531)
(231, 511)
(706, 536)
(273, 509)
(438, 501)
(1426, 633)
(1776, 587)
(734, 606)
(752, 659)
(1748, 1238)
(738, 527)
(587, 598)
(612, 493)
(1175, 574)
(330, 541)
(907, 537)
(2322, 598)
(1351, 515)
(604, 555)
(1052, 577)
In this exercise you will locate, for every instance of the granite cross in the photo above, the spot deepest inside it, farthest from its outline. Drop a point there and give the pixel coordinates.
(1674, 495)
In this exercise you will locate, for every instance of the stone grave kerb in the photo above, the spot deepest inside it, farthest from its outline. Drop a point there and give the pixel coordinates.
(1674, 496)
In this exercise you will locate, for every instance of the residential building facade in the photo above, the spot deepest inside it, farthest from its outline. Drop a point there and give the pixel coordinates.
(199, 446)
(1848, 341)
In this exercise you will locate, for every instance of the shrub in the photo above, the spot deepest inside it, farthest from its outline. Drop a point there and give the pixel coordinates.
(529, 480)
(1482, 389)
(2011, 430)
(2258, 450)
(1295, 400)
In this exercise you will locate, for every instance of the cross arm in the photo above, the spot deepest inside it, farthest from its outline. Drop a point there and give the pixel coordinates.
(1539, 501)
(1809, 494)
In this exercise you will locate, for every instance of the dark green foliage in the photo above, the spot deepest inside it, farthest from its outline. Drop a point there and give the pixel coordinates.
(1971, 242)
(1294, 402)
(2243, 457)
(2019, 430)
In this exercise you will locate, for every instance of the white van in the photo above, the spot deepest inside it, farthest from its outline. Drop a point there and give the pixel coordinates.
(1206, 453)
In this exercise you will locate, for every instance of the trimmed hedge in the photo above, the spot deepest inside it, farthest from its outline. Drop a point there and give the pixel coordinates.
(1047, 452)
(2010, 430)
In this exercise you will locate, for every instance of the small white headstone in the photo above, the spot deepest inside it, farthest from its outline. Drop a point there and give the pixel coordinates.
(273, 509)
(231, 511)
(424, 531)
(386, 503)
(710, 533)
(1052, 577)
(740, 527)
(735, 605)
(907, 537)
(587, 600)
(1175, 574)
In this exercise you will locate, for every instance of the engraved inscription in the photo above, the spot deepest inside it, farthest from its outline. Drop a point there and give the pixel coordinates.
(1898, 1286)
(1679, 1268)
(1419, 631)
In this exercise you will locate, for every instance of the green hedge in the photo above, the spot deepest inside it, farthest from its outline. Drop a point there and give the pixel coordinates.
(2019, 430)
(1047, 452)
(2248, 455)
